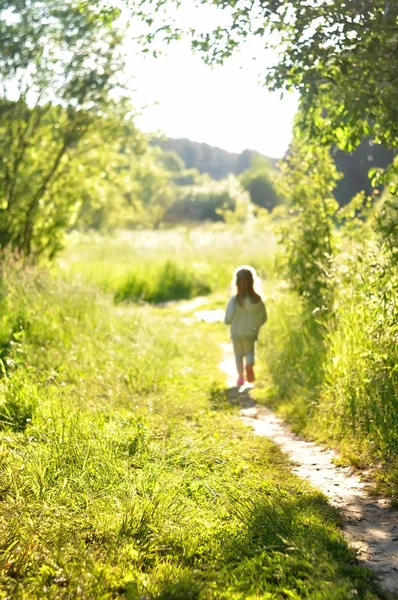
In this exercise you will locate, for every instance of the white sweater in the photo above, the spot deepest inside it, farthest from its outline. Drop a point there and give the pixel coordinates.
(246, 318)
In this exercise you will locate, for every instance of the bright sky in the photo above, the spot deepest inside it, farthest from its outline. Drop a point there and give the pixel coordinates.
(223, 106)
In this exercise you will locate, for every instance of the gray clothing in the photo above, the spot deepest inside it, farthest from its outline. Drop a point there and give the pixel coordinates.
(245, 319)
(243, 348)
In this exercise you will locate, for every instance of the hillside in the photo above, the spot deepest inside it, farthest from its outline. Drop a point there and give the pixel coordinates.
(215, 161)
(220, 163)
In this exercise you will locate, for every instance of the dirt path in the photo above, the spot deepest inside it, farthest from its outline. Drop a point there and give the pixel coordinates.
(369, 524)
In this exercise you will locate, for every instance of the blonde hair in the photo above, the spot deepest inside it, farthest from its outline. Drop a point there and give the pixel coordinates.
(246, 284)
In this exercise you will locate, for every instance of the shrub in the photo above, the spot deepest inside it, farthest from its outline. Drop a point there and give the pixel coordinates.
(207, 202)
(168, 281)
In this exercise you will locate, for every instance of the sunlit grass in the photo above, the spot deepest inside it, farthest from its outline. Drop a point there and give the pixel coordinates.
(130, 476)
(333, 375)
(181, 263)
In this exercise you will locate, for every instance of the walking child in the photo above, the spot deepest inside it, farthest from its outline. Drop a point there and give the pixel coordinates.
(245, 313)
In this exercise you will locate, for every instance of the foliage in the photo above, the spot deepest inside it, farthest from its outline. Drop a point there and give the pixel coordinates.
(175, 166)
(241, 208)
(361, 377)
(172, 162)
(168, 281)
(151, 190)
(292, 352)
(100, 173)
(342, 386)
(357, 167)
(130, 482)
(387, 223)
(59, 63)
(210, 200)
(58, 52)
(338, 55)
(259, 173)
(308, 177)
(259, 181)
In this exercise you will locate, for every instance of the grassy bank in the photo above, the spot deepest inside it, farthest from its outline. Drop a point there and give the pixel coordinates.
(124, 473)
(333, 375)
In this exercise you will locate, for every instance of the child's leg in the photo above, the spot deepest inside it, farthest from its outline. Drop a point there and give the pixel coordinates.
(249, 355)
(239, 353)
(248, 351)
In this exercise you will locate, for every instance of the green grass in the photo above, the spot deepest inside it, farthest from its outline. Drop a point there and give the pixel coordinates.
(337, 382)
(157, 266)
(125, 474)
(168, 281)
(291, 358)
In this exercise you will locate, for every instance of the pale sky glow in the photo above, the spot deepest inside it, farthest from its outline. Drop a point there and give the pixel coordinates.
(223, 106)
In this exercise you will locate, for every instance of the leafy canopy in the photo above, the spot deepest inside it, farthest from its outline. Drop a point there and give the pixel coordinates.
(59, 63)
(340, 56)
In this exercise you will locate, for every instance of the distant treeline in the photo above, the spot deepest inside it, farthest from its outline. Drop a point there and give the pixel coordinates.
(219, 163)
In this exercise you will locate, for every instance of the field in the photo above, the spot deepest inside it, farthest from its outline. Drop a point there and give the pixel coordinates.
(124, 470)
(174, 264)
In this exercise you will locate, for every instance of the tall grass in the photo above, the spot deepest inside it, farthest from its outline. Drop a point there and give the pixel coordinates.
(334, 375)
(123, 473)
(361, 379)
(292, 352)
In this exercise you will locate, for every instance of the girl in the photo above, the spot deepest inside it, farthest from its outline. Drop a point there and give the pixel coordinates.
(245, 313)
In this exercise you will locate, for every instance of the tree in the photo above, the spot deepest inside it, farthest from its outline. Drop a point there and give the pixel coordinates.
(210, 200)
(152, 190)
(118, 179)
(340, 56)
(218, 163)
(171, 162)
(259, 181)
(59, 61)
(308, 177)
(101, 171)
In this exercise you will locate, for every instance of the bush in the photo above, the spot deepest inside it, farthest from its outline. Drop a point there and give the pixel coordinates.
(361, 376)
(260, 181)
(334, 372)
(206, 202)
(308, 177)
(168, 281)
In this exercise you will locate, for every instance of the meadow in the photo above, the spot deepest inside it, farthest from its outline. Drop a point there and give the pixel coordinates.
(170, 264)
(125, 473)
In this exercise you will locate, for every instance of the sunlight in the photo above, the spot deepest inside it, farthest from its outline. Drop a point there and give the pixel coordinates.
(225, 105)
